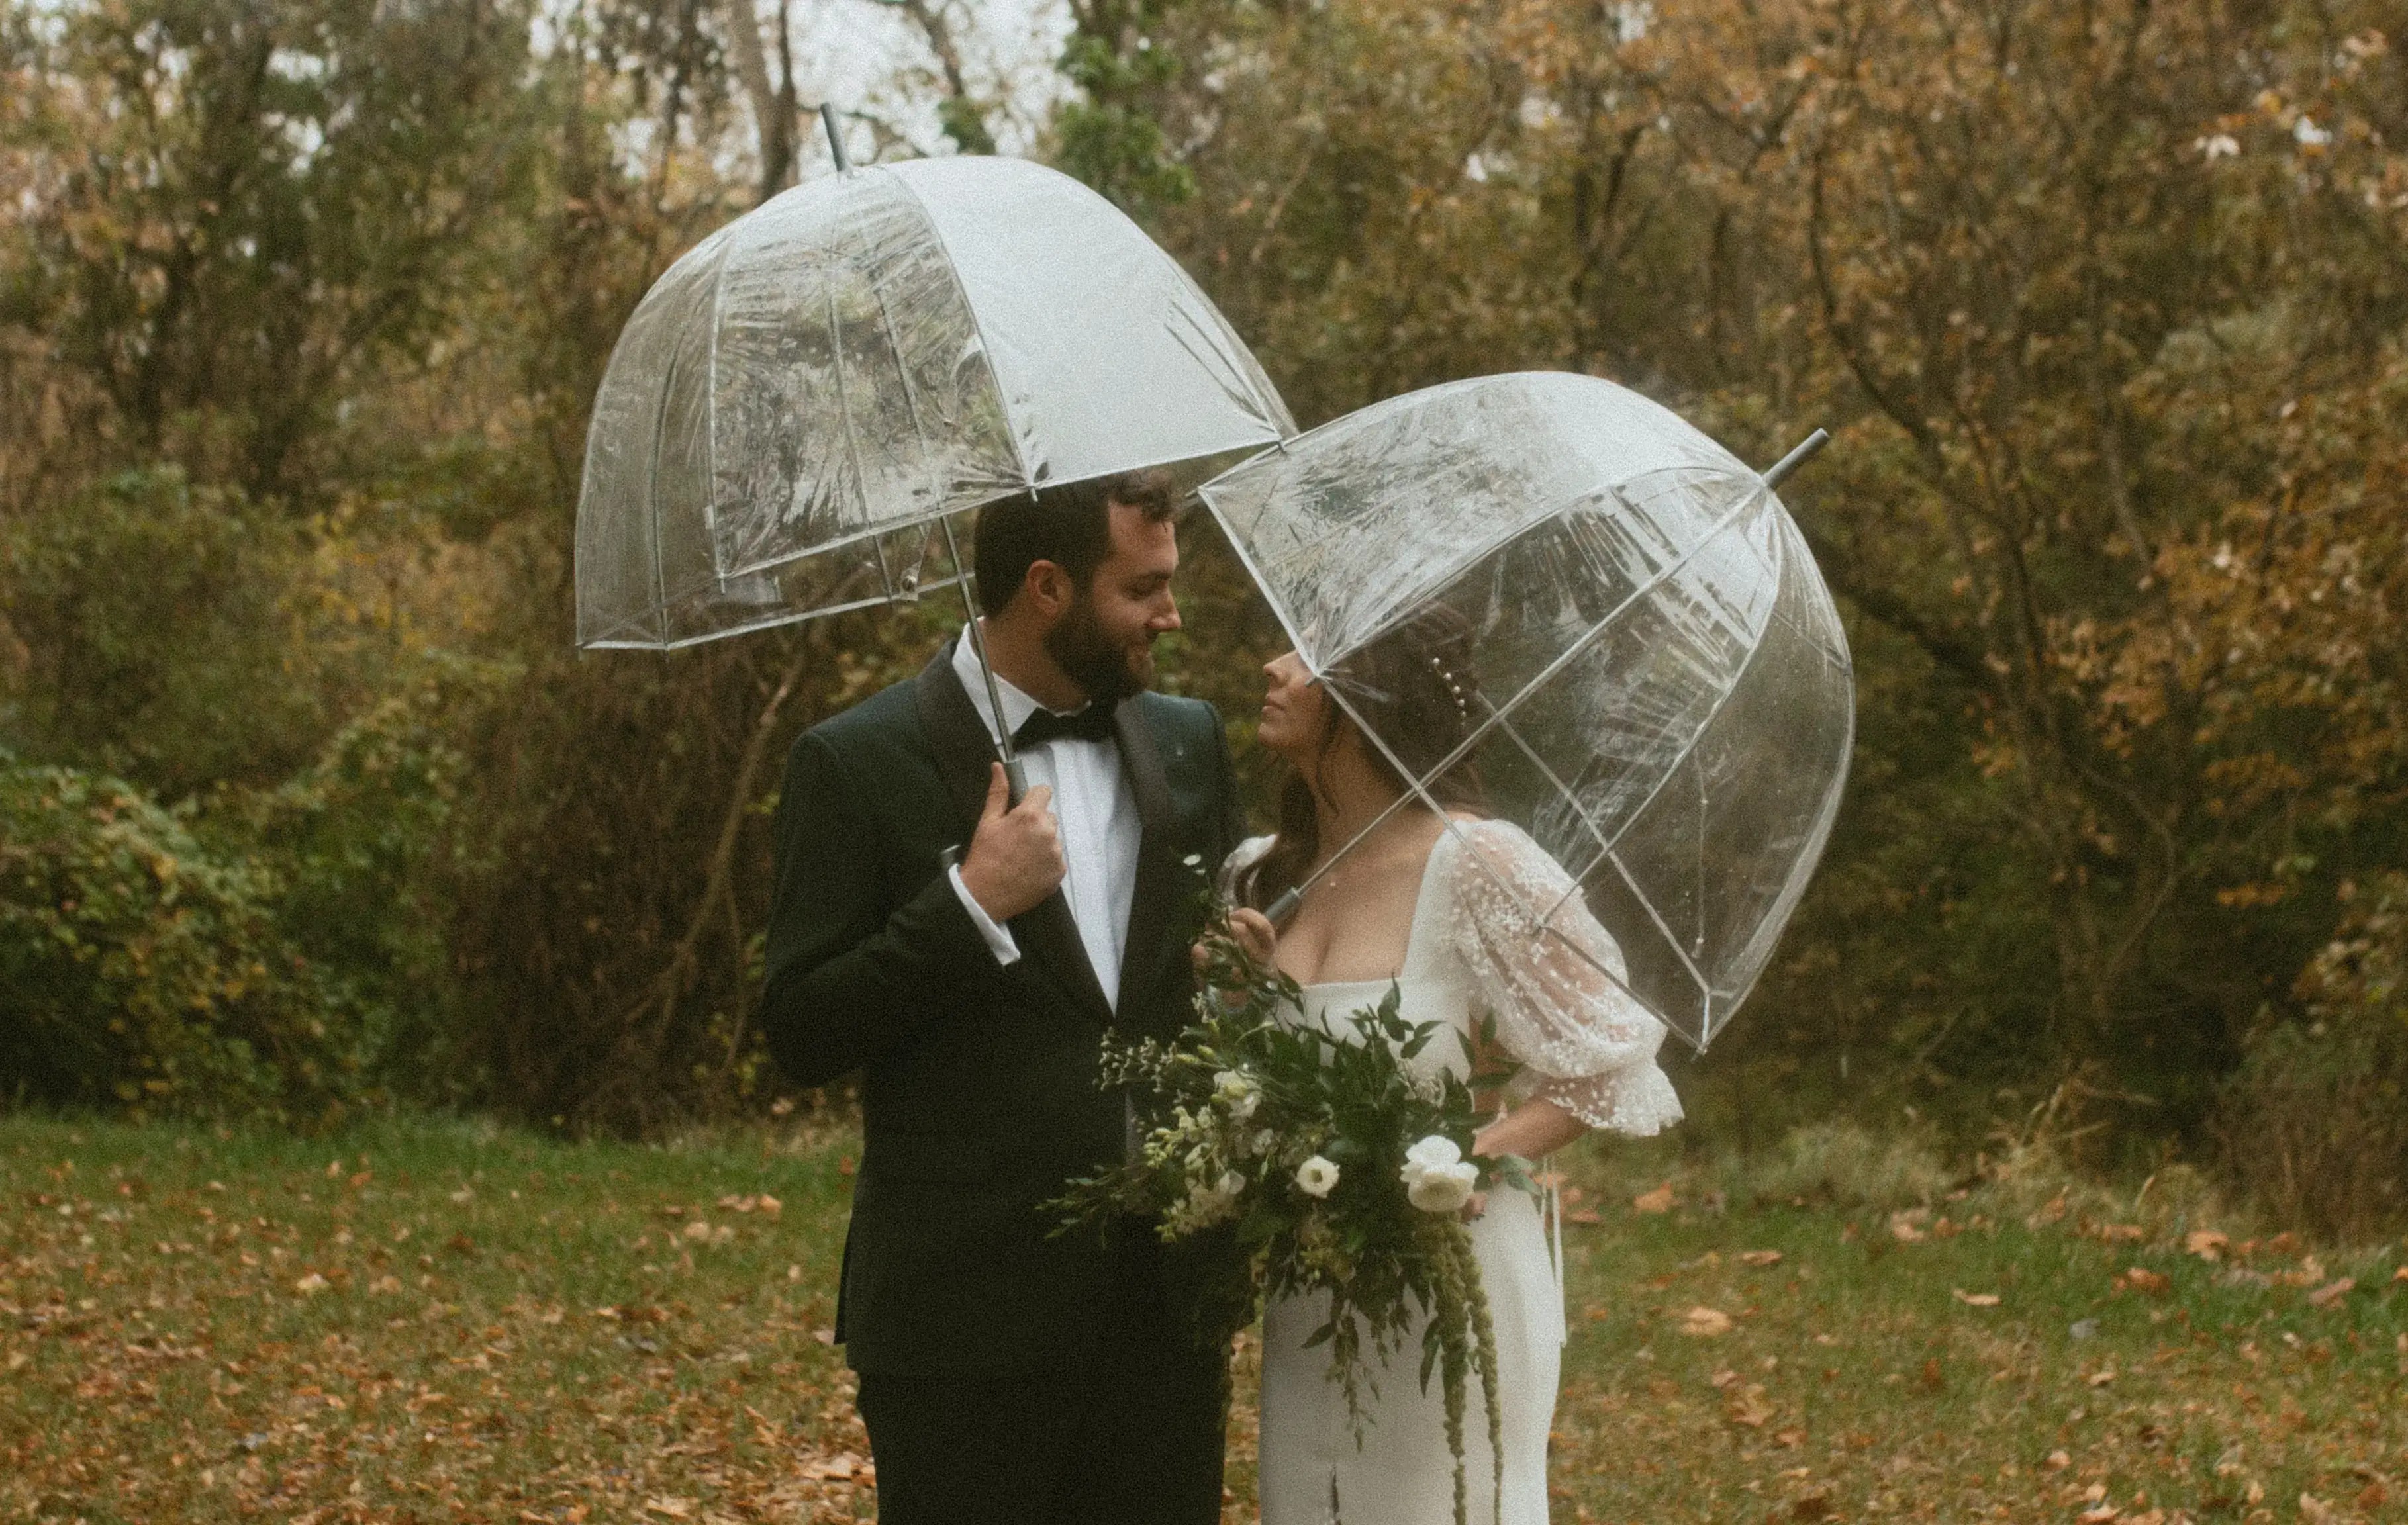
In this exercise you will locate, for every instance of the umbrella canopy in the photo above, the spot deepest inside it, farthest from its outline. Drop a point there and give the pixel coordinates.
(1646, 671)
(802, 396)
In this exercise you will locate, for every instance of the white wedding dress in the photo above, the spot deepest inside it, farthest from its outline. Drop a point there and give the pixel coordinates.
(1582, 1042)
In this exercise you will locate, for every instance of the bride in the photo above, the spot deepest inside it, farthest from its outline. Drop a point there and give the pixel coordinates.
(1437, 905)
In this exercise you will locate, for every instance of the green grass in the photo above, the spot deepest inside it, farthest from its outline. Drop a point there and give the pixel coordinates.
(433, 1321)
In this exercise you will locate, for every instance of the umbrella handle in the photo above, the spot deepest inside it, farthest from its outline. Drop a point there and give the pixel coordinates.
(1283, 908)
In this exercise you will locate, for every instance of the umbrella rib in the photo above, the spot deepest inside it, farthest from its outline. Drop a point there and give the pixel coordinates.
(977, 326)
(711, 414)
(1209, 365)
(652, 498)
(1546, 923)
(844, 398)
(903, 374)
(910, 406)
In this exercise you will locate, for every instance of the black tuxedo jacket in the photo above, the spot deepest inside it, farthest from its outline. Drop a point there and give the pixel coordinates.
(979, 1093)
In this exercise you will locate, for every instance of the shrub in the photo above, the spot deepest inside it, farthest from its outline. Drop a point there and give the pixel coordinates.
(2314, 1122)
(139, 969)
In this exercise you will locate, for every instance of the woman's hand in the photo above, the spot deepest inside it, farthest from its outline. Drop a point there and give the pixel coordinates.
(1533, 1129)
(1256, 939)
(1255, 934)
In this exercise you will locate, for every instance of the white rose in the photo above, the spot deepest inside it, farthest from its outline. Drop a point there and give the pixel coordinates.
(1436, 1177)
(1230, 1187)
(1317, 1176)
(1441, 1189)
(1238, 1094)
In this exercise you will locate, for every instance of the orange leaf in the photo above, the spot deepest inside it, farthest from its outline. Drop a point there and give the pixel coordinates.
(2332, 1292)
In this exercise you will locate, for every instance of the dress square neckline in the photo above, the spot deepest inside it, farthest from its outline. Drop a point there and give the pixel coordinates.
(1406, 966)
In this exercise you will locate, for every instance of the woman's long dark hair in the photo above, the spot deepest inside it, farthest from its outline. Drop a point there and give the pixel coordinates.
(1414, 687)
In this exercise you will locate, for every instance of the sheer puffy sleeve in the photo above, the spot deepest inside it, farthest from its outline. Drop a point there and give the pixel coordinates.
(1560, 1007)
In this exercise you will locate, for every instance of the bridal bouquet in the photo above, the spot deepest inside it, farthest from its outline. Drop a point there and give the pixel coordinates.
(1343, 1172)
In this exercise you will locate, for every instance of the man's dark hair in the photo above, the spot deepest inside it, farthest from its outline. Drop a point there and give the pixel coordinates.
(1070, 527)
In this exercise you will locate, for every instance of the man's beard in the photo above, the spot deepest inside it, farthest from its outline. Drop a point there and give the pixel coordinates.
(1105, 671)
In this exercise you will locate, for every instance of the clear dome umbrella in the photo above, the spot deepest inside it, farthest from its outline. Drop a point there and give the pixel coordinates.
(802, 400)
(1638, 662)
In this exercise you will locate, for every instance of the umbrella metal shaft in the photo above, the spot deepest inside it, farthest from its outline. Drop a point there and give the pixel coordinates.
(1015, 772)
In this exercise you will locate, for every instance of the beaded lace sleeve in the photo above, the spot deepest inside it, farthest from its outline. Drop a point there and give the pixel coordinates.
(1561, 1010)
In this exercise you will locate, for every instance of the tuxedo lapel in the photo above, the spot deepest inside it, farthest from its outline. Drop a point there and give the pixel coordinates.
(1157, 869)
(965, 755)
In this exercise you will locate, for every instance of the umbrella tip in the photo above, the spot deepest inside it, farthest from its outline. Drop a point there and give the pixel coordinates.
(836, 138)
(1799, 457)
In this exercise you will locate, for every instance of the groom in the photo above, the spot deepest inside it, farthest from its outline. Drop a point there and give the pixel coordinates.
(966, 955)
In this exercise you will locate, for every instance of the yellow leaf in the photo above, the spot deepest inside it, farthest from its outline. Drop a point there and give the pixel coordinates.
(1974, 1300)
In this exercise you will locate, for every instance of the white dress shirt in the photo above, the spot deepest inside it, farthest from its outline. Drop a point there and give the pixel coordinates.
(1095, 809)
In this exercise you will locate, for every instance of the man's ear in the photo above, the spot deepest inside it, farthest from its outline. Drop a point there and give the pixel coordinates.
(1047, 589)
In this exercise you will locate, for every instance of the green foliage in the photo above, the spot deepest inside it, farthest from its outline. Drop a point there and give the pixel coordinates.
(141, 969)
(1108, 137)
(367, 852)
(263, 196)
(151, 609)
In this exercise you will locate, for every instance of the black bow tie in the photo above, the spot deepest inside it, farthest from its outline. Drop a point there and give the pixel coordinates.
(1093, 723)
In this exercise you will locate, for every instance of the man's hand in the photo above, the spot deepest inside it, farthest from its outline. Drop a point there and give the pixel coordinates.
(1015, 857)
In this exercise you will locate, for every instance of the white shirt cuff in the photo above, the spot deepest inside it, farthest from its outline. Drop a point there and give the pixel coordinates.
(998, 939)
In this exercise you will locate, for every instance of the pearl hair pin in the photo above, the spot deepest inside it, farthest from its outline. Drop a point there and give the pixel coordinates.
(1454, 690)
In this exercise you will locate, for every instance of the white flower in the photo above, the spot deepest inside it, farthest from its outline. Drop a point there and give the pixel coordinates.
(1238, 1094)
(1436, 1177)
(1317, 1176)
(1208, 1204)
(1443, 1190)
